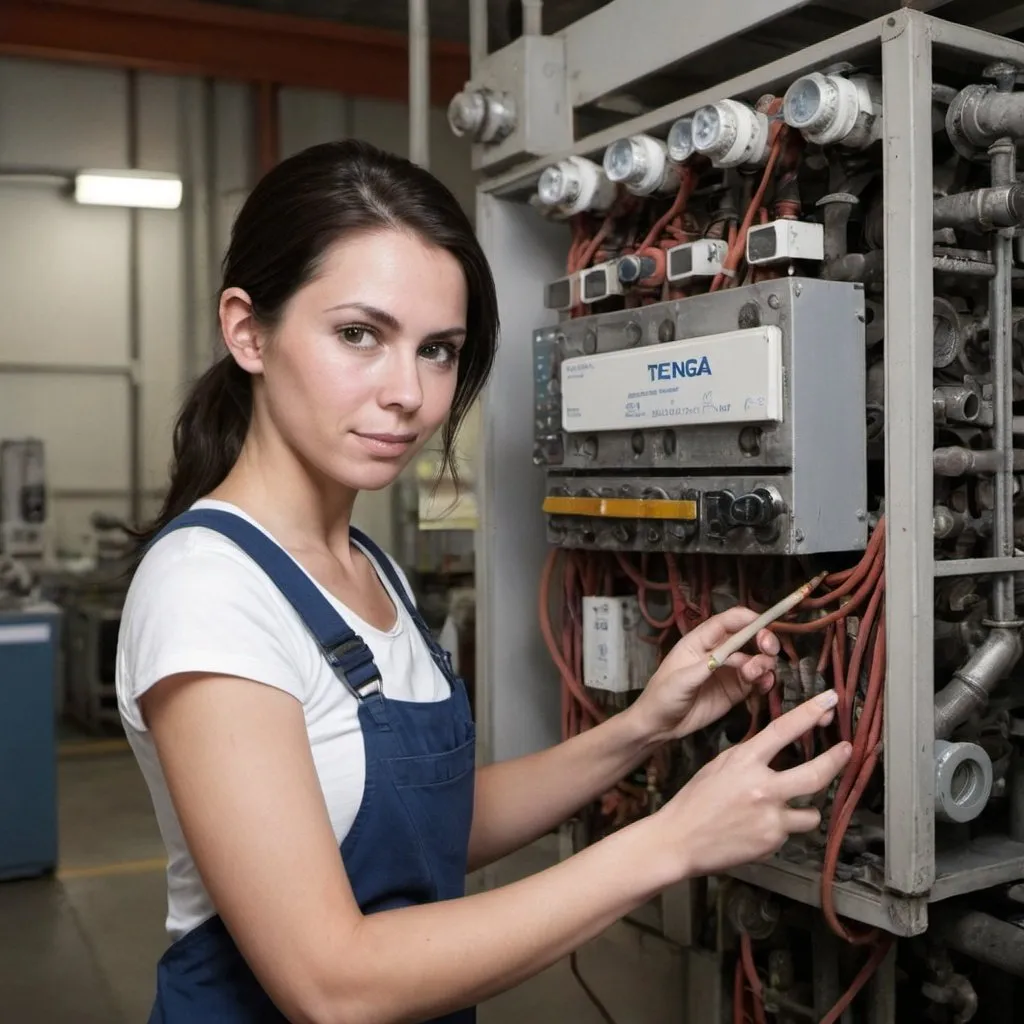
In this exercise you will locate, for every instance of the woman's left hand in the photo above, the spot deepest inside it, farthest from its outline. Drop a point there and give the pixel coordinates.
(684, 696)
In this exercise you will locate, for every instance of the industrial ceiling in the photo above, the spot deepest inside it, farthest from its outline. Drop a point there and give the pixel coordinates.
(449, 19)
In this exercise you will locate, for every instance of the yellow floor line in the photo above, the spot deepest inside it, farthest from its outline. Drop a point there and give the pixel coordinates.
(89, 747)
(126, 867)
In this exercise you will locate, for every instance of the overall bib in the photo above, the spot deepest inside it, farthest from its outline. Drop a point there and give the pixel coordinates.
(409, 841)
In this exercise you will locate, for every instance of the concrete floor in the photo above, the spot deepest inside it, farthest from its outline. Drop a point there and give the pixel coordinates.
(80, 948)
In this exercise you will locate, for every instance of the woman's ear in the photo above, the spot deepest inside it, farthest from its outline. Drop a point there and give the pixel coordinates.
(240, 331)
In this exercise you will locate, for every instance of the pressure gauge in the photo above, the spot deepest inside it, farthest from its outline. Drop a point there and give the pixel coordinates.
(831, 109)
(731, 134)
(640, 163)
(680, 141)
(574, 185)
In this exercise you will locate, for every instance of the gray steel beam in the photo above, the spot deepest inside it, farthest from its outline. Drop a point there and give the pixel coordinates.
(670, 33)
(855, 43)
(802, 883)
(909, 728)
(978, 566)
(973, 43)
(518, 686)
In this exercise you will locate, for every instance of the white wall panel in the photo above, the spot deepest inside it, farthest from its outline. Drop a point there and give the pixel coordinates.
(62, 115)
(63, 279)
(84, 422)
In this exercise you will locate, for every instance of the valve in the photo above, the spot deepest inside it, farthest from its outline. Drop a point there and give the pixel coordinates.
(574, 185)
(832, 109)
(731, 134)
(680, 141)
(640, 164)
(486, 117)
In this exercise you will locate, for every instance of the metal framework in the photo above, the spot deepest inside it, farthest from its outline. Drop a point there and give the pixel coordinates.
(519, 696)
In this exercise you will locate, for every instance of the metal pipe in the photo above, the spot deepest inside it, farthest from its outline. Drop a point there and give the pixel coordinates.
(868, 268)
(969, 689)
(135, 468)
(984, 208)
(1001, 334)
(957, 461)
(979, 115)
(533, 21)
(68, 369)
(970, 268)
(478, 48)
(957, 403)
(984, 938)
(419, 83)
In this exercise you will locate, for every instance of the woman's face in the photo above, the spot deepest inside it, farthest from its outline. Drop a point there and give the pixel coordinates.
(361, 370)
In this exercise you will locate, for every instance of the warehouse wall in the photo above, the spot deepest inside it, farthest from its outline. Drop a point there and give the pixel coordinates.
(66, 270)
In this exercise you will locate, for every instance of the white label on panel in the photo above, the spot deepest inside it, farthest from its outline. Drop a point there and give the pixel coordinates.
(723, 378)
(30, 633)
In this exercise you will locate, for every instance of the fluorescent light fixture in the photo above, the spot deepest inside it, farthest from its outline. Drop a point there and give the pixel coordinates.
(148, 189)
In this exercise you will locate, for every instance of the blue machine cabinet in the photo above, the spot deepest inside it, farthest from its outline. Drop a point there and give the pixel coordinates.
(29, 642)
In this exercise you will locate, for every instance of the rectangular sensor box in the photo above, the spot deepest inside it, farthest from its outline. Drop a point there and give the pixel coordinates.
(615, 657)
(734, 377)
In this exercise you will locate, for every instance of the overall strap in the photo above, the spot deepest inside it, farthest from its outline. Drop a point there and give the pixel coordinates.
(441, 657)
(345, 650)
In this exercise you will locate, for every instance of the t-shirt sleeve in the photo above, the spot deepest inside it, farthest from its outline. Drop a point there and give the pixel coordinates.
(202, 607)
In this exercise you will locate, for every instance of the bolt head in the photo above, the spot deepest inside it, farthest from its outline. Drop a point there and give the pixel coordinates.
(466, 113)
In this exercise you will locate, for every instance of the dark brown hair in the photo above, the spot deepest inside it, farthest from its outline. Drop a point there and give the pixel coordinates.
(293, 216)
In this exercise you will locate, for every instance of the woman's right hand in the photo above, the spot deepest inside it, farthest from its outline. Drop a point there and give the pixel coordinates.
(736, 809)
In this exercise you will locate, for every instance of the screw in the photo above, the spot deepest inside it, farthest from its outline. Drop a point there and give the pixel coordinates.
(861, 515)
(798, 535)
(798, 289)
(773, 301)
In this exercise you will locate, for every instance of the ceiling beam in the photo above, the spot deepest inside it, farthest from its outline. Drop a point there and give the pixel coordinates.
(184, 37)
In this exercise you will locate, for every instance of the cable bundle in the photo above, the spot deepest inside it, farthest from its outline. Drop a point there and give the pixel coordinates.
(857, 592)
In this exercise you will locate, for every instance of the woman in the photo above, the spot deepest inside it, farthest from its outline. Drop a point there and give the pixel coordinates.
(284, 698)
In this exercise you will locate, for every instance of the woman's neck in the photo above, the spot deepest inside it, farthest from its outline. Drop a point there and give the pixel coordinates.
(290, 499)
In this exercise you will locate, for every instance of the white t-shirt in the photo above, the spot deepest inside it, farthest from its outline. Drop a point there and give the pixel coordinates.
(198, 603)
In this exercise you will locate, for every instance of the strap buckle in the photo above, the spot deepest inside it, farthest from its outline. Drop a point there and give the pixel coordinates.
(354, 664)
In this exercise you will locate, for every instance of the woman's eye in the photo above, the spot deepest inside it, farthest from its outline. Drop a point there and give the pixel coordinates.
(441, 353)
(360, 337)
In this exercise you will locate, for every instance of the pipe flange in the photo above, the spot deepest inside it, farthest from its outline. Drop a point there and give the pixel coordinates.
(963, 781)
(1009, 624)
(959, 117)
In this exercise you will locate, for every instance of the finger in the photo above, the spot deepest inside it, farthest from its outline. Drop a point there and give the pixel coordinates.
(751, 669)
(716, 630)
(800, 819)
(766, 682)
(789, 727)
(813, 776)
(755, 668)
(768, 642)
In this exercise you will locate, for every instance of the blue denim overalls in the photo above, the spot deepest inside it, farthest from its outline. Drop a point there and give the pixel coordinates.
(409, 841)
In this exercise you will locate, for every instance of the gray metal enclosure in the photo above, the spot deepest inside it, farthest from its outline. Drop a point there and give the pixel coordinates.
(518, 692)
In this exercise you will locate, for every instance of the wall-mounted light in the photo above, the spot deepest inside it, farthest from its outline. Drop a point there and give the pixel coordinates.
(151, 190)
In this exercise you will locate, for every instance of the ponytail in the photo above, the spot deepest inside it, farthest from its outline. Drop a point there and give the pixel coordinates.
(208, 438)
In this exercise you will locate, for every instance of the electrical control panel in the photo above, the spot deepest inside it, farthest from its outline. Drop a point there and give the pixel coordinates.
(718, 396)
